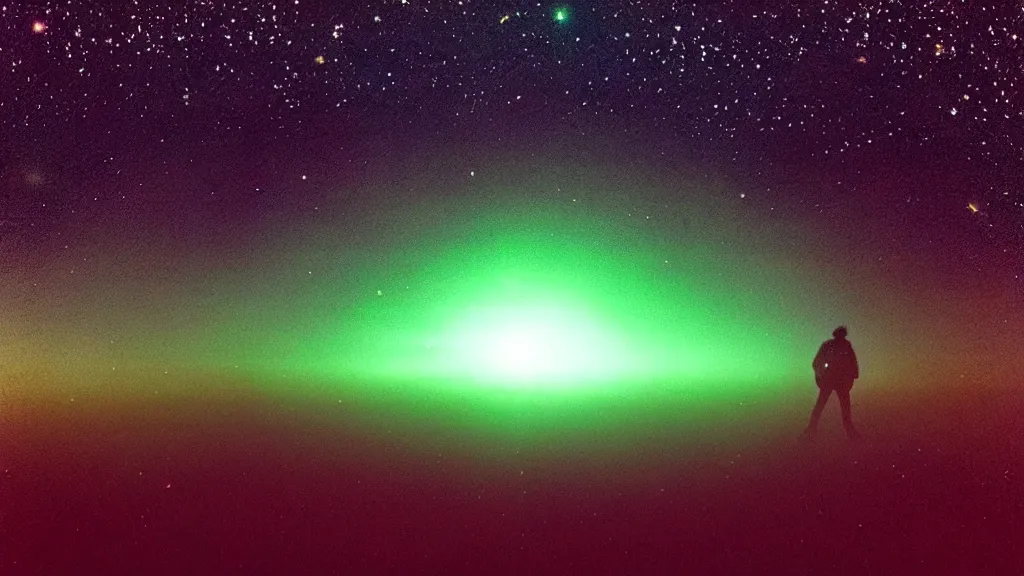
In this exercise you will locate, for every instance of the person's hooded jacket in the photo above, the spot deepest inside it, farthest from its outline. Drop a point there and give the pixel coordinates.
(836, 362)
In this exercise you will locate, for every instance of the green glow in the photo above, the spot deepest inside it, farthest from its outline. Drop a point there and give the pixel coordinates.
(529, 336)
(560, 14)
(514, 285)
(540, 295)
(537, 341)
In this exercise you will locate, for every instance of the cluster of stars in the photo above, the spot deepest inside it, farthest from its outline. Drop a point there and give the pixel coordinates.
(714, 70)
(820, 81)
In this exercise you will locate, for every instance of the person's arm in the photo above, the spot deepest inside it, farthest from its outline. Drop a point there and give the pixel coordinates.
(819, 360)
(856, 367)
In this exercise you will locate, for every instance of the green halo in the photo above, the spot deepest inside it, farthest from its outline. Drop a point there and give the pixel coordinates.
(543, 296)
(561, 13)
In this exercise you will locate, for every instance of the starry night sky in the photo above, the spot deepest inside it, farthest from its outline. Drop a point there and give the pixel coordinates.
(148, 149)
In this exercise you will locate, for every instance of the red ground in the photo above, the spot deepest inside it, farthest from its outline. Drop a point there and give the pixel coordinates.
(244, 485)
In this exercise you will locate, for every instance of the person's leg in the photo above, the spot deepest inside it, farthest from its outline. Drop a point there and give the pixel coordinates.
(844, 403)
(823, 394)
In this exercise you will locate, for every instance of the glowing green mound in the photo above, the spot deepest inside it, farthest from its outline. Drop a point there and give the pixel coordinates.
(529, 295)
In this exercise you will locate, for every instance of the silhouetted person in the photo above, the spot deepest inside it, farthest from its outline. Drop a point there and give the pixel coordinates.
(835, 368)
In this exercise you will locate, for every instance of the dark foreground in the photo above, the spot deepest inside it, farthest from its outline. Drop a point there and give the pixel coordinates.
(244, 484)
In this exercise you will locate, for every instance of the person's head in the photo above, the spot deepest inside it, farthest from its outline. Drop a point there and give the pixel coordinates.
(839, 333)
